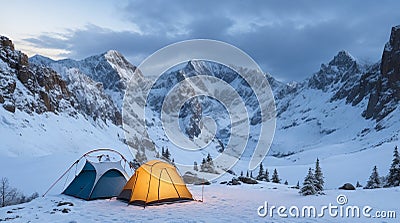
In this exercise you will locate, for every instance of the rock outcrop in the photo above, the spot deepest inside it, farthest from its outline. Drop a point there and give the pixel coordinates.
(36, 87)
(386, 95)
(28, 87)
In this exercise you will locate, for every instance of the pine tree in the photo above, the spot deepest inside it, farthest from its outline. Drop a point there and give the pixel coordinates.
(358, 184)
(275, 177)
(308, 184)
(163, 152)
(266, 176)
(207, 165)
(298, 185)
(157, 155)
(286, 183)
(202, 166)
(167, 154)
(251, 174)
(374, 180)
(393, 179)
(209, 160)
(195, 168)
(319, 177)
(241, 173)
(261, 175)
(247, 174)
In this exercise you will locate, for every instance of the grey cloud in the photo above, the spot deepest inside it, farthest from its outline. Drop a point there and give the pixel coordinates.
(92, 40)
(47, 41)
(289, 39)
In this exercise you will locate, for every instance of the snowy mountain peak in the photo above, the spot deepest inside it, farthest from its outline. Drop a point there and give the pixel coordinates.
(39, 59)
(118, 62)
(341, 68)
(343, 59)
(111, 69)
(113, 53)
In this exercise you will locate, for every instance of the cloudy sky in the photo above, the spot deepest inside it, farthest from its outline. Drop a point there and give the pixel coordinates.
(289, 39)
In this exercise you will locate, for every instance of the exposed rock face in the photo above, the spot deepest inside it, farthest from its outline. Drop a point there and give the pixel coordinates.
(52, 89)
(8, 63)
(379, 83)
(35, 87)
(359, 87)
(390, 66)
(385, 96)
(111, 69)
(339, 70)
(41, 89)
(6, 43)
(91, 98)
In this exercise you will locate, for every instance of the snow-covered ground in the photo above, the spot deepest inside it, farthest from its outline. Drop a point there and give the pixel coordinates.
(222, 203)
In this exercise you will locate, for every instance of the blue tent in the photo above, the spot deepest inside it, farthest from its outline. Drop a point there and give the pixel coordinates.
(98, 180)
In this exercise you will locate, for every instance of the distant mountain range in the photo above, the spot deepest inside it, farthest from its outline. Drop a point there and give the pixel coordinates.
(344, 101)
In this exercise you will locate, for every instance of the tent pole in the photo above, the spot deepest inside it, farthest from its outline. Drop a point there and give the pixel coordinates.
(173, 184)
(60, 177)
(202, 191)
(148, 189)
(66, 181)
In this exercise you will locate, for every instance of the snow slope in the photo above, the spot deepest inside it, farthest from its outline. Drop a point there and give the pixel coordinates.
(221, 204)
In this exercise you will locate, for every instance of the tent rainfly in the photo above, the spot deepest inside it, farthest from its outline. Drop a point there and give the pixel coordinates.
(98, 180)
(155, 182)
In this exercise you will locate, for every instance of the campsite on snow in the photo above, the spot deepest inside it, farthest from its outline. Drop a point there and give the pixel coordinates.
(176, 138)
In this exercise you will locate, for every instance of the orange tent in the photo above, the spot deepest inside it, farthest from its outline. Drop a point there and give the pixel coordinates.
(155, 182)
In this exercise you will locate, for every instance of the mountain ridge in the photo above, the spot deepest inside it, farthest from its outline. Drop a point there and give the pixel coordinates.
(109, 68)
(37, 88)
(368, 93)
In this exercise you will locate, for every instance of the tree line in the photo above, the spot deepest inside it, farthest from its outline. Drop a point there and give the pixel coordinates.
(10, 195)
(391, 180)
